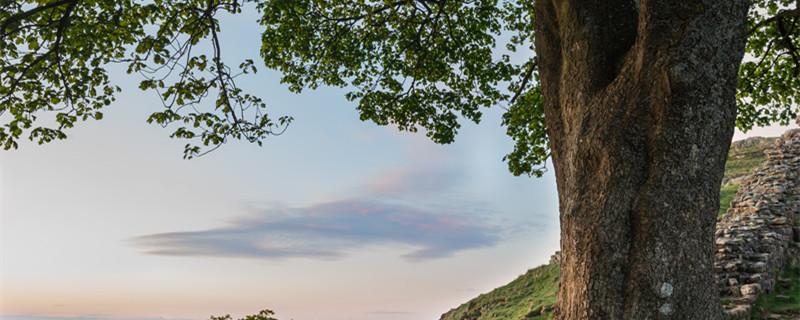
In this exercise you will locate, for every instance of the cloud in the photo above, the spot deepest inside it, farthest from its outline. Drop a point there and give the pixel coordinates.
(330, 230)
(403, 206)
(412, 181)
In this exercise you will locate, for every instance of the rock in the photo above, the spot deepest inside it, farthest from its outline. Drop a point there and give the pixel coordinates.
(762, 257)
(757, 267)
(739, 310)
(556, 257)
(778, 189)
(750, 298)
(781, 220)
(751, 289)
(770, 235)
(725, 241)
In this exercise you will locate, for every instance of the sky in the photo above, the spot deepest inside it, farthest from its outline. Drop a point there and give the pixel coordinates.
(335, 219)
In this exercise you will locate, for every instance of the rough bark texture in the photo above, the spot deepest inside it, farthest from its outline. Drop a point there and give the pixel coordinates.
(639, 104)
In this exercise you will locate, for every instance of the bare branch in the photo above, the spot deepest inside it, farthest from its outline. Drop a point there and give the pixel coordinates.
(524, 81)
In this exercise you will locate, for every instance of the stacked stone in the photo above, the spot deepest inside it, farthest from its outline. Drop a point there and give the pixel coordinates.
(555, 258)
(753, 237)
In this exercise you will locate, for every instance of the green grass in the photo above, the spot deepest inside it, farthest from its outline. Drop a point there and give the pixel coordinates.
(742, 167)
(523, 298)
(788, 306)
(726, 195)
(746, 155)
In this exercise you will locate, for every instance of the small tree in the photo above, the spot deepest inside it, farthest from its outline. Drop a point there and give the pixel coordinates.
(262, 315)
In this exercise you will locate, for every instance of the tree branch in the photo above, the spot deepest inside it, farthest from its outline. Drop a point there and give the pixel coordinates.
(789, 45)
(26, 14)
(783, 14)
(379, 10)
(62, 24)
(524, 80)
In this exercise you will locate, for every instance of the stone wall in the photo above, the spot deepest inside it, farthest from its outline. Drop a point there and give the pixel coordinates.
(555, 258)
(759, 230)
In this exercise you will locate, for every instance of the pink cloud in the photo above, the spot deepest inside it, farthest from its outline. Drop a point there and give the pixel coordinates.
(403, 180)
(330, 230)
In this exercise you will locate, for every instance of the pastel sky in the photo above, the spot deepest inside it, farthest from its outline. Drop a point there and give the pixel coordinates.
(335, 219)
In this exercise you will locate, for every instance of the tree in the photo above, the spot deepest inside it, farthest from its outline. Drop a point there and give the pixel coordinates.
(640, 132)
(261, 315)
(636, 101)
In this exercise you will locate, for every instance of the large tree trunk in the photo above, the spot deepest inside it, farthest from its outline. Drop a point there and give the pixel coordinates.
(639, 104)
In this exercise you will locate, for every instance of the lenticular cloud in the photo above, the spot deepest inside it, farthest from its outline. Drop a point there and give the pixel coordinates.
(330, 230)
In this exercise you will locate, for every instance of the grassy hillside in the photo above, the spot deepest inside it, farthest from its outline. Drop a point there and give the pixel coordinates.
(726, 194)
(532, 295)
(746, 155)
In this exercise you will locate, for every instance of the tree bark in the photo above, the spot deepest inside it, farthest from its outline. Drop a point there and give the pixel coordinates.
(640, 109)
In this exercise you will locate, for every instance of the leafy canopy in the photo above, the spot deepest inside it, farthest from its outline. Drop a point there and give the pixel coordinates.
(769, 79)
(54, 55)
(415, 64)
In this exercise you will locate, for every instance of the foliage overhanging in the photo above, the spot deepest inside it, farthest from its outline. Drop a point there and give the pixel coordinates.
(414, 64)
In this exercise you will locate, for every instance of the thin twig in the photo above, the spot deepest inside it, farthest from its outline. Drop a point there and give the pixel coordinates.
(524, 80)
